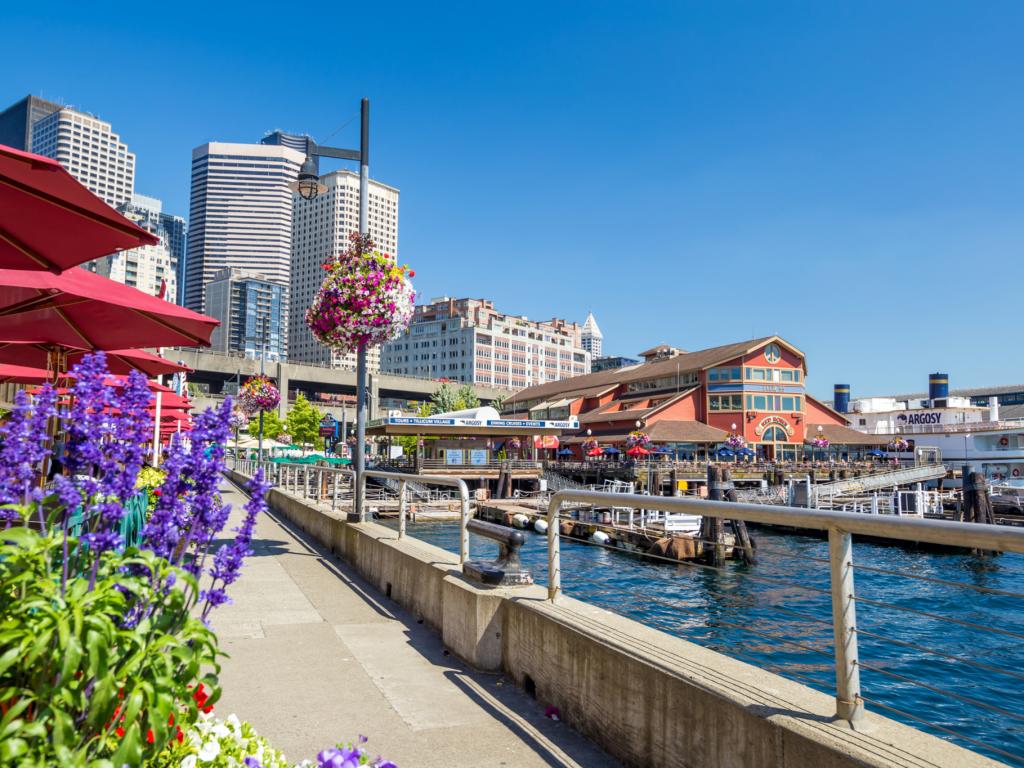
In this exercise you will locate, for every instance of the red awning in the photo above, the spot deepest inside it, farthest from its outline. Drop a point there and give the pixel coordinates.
(80, 310)
(119, 361)
(22, 374)
(49, 221)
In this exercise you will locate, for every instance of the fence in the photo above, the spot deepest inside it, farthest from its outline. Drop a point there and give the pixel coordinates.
(840, 526)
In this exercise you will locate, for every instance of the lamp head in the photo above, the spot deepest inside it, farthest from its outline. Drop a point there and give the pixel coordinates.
(308, 183)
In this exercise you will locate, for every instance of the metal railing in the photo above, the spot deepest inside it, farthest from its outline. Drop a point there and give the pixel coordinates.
(338, 484)
(840, 527)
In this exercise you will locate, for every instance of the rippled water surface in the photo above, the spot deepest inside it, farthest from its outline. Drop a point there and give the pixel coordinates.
(777, 614)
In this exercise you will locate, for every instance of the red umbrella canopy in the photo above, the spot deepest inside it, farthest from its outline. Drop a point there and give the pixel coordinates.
(80, 310)
(637, 450)
(119, 361)
(22, 374)
(49, 221)
(594, 452)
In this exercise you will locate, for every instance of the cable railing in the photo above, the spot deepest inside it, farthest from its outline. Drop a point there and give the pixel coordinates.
(806, 642)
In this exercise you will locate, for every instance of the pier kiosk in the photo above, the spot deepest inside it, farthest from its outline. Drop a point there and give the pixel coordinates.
(478, 446)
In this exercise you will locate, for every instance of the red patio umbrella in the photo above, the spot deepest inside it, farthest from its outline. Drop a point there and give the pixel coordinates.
(595, 451)
(80, 310)
(22, 374)
(49, 221)
(119, 361)
(637, 450)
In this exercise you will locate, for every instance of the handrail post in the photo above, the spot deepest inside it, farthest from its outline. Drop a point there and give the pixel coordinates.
(335, 474)
(305, 481)
(849, 705)
(464, 533)
(401, 508)
(554, 548)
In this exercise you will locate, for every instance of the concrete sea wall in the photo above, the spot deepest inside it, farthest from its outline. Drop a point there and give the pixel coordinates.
(646, 697)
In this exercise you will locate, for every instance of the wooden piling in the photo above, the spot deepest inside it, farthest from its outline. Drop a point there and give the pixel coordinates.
(739, 527)
(712, 532)
(977, 505)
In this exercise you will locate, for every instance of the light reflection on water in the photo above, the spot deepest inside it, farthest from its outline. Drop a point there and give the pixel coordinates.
(735, 612)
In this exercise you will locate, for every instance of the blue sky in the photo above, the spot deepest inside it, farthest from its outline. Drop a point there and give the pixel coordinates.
(849, 176)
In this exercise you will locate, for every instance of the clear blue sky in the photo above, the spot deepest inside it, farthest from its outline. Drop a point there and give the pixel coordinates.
(848, 175)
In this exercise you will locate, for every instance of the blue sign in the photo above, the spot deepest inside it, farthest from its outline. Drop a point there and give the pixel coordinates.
(422, 421)
(478, 456)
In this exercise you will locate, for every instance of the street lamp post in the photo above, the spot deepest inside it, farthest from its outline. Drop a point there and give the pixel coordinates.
(820, 430)
(308, 186)
(263, 354)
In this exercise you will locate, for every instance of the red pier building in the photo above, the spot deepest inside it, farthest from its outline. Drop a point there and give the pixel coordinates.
(690, 401)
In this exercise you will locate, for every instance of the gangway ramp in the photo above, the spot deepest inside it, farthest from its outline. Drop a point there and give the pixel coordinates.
(882, 480)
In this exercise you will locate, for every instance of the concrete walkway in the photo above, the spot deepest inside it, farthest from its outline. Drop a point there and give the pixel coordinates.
(317, 656)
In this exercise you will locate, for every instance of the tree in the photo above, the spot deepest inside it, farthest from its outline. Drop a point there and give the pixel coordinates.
(408, 442)
(466, 398)
(444, 400)
(272, 425)
(499, 402)
(303, 422)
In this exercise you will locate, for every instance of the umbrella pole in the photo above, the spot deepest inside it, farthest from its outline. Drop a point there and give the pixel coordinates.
(156, 427)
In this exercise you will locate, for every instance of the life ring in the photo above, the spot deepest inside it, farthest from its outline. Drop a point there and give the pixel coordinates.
(1004, 441)
(1016, 472)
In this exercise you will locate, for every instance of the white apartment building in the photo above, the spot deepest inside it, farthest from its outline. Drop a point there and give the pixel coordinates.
(591, 337)
(240, 213)
(321, 229)
(147, 268)
(90, 151)
(467, 340)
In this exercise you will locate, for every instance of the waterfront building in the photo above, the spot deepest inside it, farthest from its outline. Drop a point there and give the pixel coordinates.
(591, 337)
(612, 361)
(240, 214)
(468, 340)
(688, 400)
(90, 151)
(966, 426)
(252, 310)
(321, 229)
(17, 121)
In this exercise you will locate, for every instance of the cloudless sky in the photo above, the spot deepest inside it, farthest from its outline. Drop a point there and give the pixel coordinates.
(847, 175)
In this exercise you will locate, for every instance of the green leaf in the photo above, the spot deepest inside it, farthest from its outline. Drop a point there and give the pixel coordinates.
(129, 752)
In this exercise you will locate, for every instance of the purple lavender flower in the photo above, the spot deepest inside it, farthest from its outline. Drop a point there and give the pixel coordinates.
(25, 445)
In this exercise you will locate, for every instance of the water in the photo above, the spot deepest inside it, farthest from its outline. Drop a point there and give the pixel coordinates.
(742, 611)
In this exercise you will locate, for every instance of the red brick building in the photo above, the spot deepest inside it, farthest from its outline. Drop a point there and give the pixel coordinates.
(692, 401)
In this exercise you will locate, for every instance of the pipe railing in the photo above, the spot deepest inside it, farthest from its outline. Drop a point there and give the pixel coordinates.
(840, 527)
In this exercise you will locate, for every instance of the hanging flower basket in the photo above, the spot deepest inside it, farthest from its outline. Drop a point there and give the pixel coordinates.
(820, 442)
(589, 446)
(638, 439)
(258, 394)
(735, 442)
(365, 300)
(898, 445)
(513, 444)
(238, 418)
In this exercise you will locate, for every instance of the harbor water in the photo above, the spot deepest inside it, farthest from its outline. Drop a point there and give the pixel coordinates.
(933, 666)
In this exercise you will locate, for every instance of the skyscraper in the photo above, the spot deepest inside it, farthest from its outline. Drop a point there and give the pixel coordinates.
(91, 152)
(252, 313)
(240, 213)
(17, 120)
(591, 338)
(321, 229)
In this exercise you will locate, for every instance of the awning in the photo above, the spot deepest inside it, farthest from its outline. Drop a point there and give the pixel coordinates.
(439, 426)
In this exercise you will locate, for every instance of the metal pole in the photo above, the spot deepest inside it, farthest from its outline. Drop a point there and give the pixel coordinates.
(401, 508)
(849, 705)
(263, 349)
(554, 550)
(359, 460)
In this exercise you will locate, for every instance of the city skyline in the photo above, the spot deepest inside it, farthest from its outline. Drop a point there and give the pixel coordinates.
(840, 155)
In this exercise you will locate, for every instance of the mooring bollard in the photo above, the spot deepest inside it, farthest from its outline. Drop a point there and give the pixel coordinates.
(505, 570)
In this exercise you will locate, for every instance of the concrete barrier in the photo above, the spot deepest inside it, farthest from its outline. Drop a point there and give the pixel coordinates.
(648, 698)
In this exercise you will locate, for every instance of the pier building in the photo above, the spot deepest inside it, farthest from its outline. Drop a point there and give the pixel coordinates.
(690, 401)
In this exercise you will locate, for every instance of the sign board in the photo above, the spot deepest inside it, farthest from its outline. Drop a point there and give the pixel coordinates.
(545, 441)
(326, 431)
(773, 421)
(453, 456)
(478, 456)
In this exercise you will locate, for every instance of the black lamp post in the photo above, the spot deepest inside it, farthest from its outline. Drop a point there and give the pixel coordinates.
(308, 186)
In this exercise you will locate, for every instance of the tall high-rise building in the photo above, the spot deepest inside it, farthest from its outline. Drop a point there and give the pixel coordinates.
(240, 213)
(468, 340)
(91, 152)
(321, 229)
(252, 311)
(591, 338)
(172, 230)
(17, 120)
(150, 268)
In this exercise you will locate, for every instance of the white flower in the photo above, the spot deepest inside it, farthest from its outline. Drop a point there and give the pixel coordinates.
(220, 730)
(189, 761)
(208, 751)
(235, 724)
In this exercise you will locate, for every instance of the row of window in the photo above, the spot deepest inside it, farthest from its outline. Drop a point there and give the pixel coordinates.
(754, 374)
(787, 403)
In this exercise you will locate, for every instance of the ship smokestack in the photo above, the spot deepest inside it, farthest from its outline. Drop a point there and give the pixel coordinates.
(841, 398)
(938, 389)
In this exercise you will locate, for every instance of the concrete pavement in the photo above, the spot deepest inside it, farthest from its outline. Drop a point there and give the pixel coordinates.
(318, 656)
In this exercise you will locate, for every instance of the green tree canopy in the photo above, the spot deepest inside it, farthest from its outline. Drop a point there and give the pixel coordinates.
(444, 399)
(303, 422)
(273, 427)
(466, 398)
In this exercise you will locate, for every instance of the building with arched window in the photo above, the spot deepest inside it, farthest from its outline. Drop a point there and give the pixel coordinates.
(690, 401)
